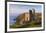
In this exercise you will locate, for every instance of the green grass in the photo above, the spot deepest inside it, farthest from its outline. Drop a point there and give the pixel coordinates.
(29, 25)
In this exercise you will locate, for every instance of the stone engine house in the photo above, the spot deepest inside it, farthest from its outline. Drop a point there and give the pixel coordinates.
(26, 17)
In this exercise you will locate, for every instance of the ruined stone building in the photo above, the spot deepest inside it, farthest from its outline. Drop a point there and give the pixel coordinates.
(25, 17)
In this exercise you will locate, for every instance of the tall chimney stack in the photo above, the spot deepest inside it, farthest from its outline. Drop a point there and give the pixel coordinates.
(33, 13)
(30, 13)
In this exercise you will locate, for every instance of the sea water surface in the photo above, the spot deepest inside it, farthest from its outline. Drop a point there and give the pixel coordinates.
(12, 19)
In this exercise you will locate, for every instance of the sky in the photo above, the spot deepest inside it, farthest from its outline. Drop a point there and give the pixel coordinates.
(16, 9)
